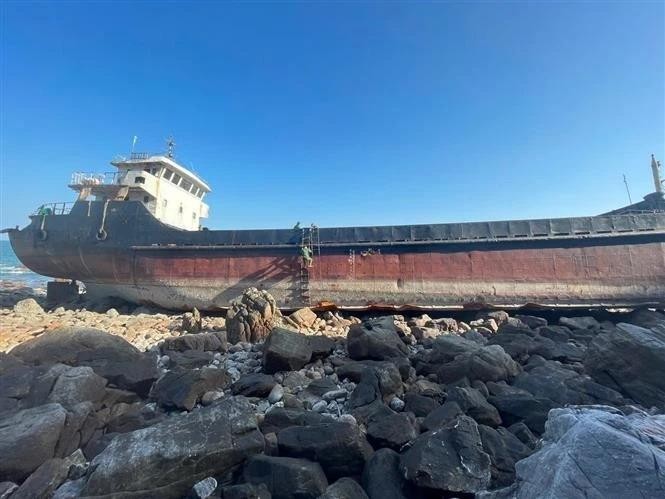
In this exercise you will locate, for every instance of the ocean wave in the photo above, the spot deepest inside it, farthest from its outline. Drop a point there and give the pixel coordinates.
(11, 269)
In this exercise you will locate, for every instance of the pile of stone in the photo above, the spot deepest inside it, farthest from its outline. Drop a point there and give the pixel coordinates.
(267, 405)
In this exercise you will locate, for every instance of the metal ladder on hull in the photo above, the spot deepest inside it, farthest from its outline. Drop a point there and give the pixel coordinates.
(310, 239)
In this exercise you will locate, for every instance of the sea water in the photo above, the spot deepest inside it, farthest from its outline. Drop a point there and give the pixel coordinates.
(11, 269)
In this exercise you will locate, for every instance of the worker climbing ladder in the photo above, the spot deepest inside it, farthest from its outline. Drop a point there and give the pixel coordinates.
(310, 244)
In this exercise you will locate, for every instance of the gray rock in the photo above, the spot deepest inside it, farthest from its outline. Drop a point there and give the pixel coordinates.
(344, 488)
(285, 350)
(28, 438)
(28, 308)
(320, 406)
(7, 489)
(276, 394)
(76, 385)
(396, 404)
(594, 452)
(579, 322)
(191, 321)
(340, 448)
(110, 356)
(245, 491)
(387, 374)
(420, 405)
(630, 359)
(167, 459)
(250, 316)
(375, 339)
(183, 389)
(48, 477)
(286, 477)
(472, 402)
(206, 487)
(449, 459)
(442, 415)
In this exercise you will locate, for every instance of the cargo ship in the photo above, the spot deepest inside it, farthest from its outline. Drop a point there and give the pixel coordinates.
(136, 233)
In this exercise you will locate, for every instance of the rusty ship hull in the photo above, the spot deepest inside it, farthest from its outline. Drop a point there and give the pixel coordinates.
(617, 259)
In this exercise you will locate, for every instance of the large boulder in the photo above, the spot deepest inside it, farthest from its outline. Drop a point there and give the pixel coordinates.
(28, 438)
(250, 317)
(520, 406)
(182, 389)
(375, 339)
(286, 477)
(630, 359)
(285, 350)
(110, 356)
(28, 308)
(594, 452)
(392, 431)
(339, 447)
(279, 418)
(76, 385)
(450, 459)
(474, 404)
(167, 459)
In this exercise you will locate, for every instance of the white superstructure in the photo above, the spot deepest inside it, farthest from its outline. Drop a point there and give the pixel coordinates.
(171, 192)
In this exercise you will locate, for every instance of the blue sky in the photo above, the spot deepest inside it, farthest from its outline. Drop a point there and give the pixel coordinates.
(340, 113)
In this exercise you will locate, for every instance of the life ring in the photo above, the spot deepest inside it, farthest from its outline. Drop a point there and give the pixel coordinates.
(101, 235)
(42, 235)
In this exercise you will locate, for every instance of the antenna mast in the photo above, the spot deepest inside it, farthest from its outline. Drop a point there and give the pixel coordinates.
(655, 168)
(630, 201)
(170, 143)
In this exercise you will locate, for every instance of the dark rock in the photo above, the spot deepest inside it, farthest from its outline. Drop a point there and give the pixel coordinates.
(504, 450)
(579, 322)
(472, 402)
(182, 389)
(110, 356)
(245, 491)
(322, 346)
(420, 405)
(285, 350)
(594, 452)
(444, 349)
(28, 438)
(516, 341)
(488, 363)
(443, 415)
(393, 431)
(340, 448)
(522, 432)
(189, 359)
(371, 412)
(287, 477)
(167, 459)
(515, 405)
(375, 339)
(382, 478)
(202, 342)
(388, 375)
(344, 488)
(630, 359)
(366, 391)
(532, 321)
(279, 418)
(449, 459)
(48, 477)
(559, 334)
(254, 385)
(564, 386)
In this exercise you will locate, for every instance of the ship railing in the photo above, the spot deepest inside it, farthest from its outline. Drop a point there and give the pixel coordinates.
(92, 178)
(62, 208)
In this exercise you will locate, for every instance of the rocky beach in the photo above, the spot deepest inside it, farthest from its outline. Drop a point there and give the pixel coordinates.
(114, 400)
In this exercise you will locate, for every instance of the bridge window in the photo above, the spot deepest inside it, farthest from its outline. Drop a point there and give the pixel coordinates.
(186, 184)
(139, 180)
(176, 179)
(168, 174)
